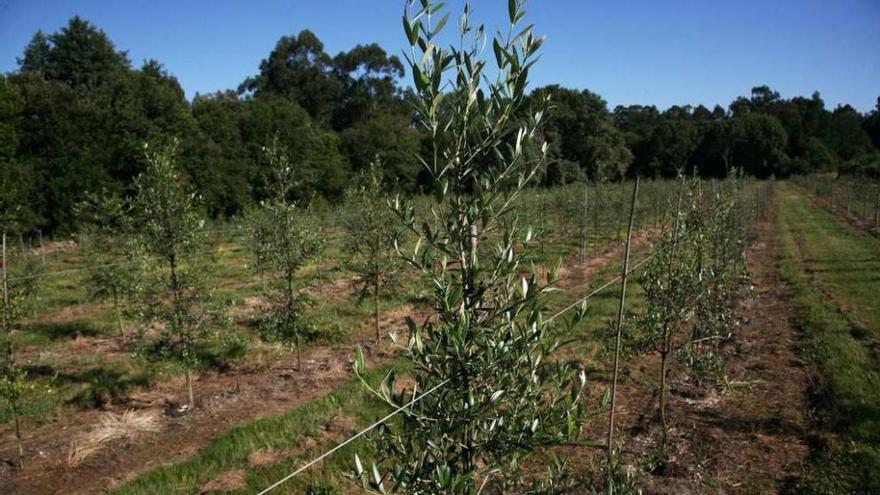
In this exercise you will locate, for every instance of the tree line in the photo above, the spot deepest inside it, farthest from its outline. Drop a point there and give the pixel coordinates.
(76, 114)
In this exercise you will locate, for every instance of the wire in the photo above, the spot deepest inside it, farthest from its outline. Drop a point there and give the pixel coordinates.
(607, 284)
(354, 437)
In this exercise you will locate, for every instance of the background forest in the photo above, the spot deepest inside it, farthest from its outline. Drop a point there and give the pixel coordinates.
(75, 116)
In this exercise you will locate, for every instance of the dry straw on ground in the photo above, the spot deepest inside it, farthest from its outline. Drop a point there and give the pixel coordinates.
(129, 426)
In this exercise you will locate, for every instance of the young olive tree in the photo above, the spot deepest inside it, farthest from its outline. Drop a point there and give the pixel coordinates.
(497, 394)
(112, 258)
(171, 229)
(371, 227)
(284, 239)
(17, 394)
(721, 257)
(670, 282)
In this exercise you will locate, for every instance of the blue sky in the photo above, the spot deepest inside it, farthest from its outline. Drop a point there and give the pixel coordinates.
(661, 52)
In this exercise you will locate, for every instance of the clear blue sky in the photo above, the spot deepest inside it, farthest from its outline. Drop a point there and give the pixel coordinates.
(647, 51)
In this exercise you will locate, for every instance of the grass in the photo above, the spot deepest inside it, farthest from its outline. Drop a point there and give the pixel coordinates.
(287, 433)
(833, 272)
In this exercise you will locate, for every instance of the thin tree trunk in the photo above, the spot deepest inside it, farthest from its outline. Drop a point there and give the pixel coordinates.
(376, 306)
(7, 324)
(178, 322)
(291, 318)
(42, 251)
(6, 313)
(189, 389)
(667, 332)
(116, 306)
(664, 363)
(585, 215)
(877, 210)
(624, 275)
(620, 219)
(18, 440)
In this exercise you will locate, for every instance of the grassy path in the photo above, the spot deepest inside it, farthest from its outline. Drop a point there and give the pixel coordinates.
(834, 271)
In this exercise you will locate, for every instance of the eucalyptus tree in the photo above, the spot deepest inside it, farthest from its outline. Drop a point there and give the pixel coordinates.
(284, 238)
(490, 394)
(371, 227)
(171, 228)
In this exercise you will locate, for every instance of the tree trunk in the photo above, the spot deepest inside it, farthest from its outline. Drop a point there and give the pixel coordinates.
(178, 321)
(118, 309)
(585, 214)
(290, 317)
(298, 354)
(664, 363)
(189, 389)
(18, 440)
(376, 306)
(877, 210)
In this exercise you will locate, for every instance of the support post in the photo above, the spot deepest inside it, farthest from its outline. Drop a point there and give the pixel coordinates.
(624, 276)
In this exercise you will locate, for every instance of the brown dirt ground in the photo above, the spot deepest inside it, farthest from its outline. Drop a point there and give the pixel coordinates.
(224, 401)
(748, 439)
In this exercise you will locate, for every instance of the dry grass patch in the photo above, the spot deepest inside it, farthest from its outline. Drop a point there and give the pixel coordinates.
(129, 425)
(231, 481)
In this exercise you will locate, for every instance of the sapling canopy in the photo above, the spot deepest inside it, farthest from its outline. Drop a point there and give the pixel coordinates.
(285, 238)
(19, 397)
(504, 397)
(171, 232)
(113, 263)
(371, 227)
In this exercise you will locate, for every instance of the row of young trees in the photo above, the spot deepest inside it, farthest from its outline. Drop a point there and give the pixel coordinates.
(856, 199)
(74, 116)
(692, 287)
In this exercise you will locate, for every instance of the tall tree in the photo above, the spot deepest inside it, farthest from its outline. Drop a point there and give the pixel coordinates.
(758, 144)
(299, 68)
(369, 84)
(78, 55)
(581, 128)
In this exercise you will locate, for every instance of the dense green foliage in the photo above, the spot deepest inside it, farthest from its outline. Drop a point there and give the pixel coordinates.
(73, 119)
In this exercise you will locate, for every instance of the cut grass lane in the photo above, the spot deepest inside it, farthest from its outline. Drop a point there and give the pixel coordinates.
(840, 261)
(834, 272)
